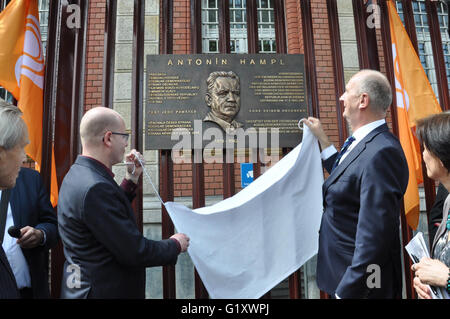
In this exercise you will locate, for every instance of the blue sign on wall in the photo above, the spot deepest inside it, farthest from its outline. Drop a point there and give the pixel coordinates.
(246, 174)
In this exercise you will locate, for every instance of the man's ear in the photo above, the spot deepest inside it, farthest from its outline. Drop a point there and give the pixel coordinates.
(208, 99)
(107, 138)
(363, 101)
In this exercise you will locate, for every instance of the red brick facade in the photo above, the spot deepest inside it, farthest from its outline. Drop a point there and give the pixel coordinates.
(94, 54)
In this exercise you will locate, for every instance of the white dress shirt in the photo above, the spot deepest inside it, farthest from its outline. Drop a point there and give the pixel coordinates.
(359, 134)
(14, 254)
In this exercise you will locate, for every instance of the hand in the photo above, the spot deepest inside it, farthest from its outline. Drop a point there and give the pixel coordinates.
(423, 291)
(30, 237)
(431, 272)
(134, 170)
(183, 240)
(316, 128)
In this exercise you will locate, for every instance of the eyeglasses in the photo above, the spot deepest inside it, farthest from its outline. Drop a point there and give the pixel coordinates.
(125, 135)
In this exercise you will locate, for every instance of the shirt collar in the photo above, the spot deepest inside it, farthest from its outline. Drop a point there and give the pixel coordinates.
(362, 132)
(103, 165)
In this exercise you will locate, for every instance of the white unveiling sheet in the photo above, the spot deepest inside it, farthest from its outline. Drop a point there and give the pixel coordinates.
(245, 245)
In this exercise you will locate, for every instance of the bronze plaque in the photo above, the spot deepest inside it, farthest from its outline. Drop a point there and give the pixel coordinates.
(220, 98)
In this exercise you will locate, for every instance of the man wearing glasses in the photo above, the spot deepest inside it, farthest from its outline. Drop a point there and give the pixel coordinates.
(106, 255)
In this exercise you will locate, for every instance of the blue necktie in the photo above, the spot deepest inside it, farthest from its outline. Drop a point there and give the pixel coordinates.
(344, 148)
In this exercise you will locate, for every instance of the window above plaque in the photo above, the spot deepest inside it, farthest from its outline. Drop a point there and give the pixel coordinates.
(238, 26)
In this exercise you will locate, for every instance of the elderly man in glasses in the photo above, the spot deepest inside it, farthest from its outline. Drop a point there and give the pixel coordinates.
(106, 255)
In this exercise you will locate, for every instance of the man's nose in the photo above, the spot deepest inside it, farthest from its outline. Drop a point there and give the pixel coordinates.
(342, 97)
(231, 96)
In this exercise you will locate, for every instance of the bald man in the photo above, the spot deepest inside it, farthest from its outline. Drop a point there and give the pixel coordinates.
(106, 255)
(359, 241)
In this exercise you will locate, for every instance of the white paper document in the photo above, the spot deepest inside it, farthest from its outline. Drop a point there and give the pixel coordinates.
(417, 249)
(245, 245)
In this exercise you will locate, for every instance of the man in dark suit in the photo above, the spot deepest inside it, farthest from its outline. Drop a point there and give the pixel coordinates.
(32, 212)
(13, 139)
(106, 255)
(359, 243)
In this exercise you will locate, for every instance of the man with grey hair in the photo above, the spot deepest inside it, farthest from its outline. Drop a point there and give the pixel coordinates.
(359, 242)
(106, 255)
(25, 206)
(223, 98)
(13, 139)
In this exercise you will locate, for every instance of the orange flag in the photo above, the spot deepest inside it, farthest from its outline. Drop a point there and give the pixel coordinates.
(415, 100)
(22, 72)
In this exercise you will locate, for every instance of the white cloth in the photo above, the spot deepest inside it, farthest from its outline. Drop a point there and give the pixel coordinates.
(245, 245)
(15, 255)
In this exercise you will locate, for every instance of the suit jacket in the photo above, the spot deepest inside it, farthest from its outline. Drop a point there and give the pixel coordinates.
(8, 286)
(31, 206)
(360, 223)
(106, 255)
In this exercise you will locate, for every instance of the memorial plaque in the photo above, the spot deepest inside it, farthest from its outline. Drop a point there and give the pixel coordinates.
(250, 95)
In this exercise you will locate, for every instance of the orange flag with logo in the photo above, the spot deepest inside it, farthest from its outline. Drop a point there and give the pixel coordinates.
(415, 100)
(22, 73)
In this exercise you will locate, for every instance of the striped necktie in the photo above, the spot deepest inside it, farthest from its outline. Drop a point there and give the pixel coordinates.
(344, 148)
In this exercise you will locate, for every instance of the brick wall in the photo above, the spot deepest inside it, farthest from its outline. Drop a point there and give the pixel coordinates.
(94, 53)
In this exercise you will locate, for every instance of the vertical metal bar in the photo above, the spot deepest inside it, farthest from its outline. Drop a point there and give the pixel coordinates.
(252, 26)
(365, 37)
(166, 182)
(389, 66)
(78, 80)
(196, 26)
(137, 95)
(224, 26)
(166, 27)
(51, 57)
(280, 28)
(252, 44)
(410, 25)
(198, 175)
(428, 184)
(198, 200)
(336, 53)
(310, 63)
(47, 129)
(109, 53)
(438, 55)
(224, 47)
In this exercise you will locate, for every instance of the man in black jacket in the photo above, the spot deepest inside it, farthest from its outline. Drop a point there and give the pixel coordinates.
(106, 255)
(32, 213)
(13, 139)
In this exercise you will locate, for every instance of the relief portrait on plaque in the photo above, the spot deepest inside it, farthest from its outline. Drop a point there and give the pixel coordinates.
(223, 99)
